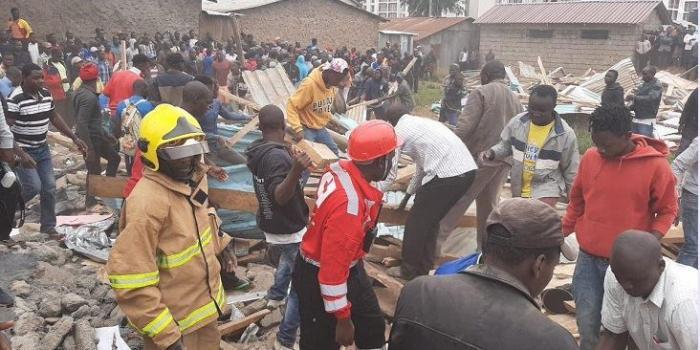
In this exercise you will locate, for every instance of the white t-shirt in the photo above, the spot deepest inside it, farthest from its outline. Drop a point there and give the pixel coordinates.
(667, 319)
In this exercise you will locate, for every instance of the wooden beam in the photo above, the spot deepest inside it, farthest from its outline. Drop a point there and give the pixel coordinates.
(239, 325)
(319, 153)
(113, 187)
(543, 72)
(227, 96)
(237, 137)
(409, 66)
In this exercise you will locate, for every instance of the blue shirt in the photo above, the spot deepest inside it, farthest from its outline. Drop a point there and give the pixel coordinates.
(105, 72)
(209, 125)
(143, 106)
(208, 66)
(6, 87)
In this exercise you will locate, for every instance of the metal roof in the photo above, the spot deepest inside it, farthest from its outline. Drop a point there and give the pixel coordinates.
(240, 5)
(269, 86)
(576, 12)
(423, 26)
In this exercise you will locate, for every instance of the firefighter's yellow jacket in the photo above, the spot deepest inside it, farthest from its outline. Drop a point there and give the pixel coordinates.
(163, 265)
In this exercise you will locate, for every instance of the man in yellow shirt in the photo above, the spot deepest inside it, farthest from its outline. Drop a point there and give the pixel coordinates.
(19, 28)
(309, 109)
(543, 147)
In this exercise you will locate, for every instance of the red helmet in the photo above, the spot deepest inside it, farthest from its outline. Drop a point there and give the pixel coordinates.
(372, 140)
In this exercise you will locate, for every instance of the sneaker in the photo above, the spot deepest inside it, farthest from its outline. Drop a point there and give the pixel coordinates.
(232, 282)
(273, 304)
(279, 346)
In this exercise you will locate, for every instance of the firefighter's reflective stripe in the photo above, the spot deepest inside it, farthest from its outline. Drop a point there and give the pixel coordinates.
(334, 290)
(335, 305)
(183, 257)
(346, 182)
(153, 328)
(133, 281)
(196, 316)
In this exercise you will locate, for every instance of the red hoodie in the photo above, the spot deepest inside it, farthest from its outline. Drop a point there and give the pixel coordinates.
(609, 196)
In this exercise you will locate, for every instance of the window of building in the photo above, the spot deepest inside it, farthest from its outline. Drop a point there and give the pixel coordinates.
(690, 6)
(537, 33)
(382, 7)
(597, 34)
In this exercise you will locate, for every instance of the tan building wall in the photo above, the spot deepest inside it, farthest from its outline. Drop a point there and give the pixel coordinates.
(511, 43)
(332, 23)
(82, 17)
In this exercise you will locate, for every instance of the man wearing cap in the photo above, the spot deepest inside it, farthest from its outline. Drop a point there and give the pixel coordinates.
(78, 64)
(492, 305)
(337, 305)
(309, 109)
(89, 126)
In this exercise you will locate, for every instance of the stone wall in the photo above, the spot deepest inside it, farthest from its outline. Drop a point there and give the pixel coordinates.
(332, 23)
(82, 17)
(511, 43)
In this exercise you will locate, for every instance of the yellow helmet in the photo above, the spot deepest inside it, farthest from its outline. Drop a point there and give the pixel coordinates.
(166, 124)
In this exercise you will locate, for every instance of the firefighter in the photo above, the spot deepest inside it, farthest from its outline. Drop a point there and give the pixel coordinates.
(337, 305)
(163, 267)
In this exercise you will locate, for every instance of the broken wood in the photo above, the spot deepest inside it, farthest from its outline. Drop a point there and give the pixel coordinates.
(226, 346)
(409, 66)
(250, 126)
(113, 187)
(543, 72)
(240, 325)
(388, 296)
(384, 251)
(252, 258)
(405, 174)
(391, 262)
(227, 96)
(320, 154)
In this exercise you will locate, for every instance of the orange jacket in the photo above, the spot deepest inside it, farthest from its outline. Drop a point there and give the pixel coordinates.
(163, 267)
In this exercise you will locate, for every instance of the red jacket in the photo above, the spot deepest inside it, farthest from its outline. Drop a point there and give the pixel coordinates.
(609, 196)
(136, 174)
(347, 206)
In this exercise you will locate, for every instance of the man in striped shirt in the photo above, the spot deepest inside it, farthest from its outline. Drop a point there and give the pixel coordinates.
(445, 169)
(30, 108)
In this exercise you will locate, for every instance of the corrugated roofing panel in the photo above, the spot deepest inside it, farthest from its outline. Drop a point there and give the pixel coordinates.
(579, 12)
(423, 26)
(269, 86)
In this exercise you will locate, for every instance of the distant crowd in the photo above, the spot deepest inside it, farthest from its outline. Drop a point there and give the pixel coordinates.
(665, 47)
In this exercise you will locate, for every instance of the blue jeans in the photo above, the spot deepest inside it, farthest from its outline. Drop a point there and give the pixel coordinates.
(287, 334)
(40, 181)
(689, 206)
(321, 136)
(283, 277)
(588, 281)
(452, 117)
(642, 129)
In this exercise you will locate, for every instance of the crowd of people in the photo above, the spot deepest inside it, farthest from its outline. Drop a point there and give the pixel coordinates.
(171, 263)
(673, 45)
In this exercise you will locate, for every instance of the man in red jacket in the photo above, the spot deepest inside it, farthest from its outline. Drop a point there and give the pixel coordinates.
(624, 183)
(329, 276)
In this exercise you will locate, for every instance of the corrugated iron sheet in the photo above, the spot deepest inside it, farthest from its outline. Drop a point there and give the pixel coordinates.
(269, 86)
(240, 5)
(423, 26)
(579, 12)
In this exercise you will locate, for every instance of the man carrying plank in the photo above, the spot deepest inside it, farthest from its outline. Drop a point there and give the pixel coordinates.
(309, 109)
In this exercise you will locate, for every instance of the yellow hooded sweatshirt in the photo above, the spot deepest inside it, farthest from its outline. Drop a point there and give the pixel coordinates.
(310, 106)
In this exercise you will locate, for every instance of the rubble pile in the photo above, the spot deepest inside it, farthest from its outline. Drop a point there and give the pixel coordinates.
(580, 94)
(59, 298)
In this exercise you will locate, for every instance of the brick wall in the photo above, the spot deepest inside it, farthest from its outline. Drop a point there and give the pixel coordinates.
(332, 23)
(510, 44)
(82, 17)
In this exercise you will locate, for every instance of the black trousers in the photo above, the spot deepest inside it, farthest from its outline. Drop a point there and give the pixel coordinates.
(432, 202)
(102, 149)
(318, 326)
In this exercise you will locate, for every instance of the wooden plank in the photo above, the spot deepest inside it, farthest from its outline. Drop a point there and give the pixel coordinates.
(237, 137)
(405, 174)
(543, 72)
(319, 153)
(388, 296)
(391, 262)
(385, 251)
(227, 96)
(373, 271)
(226, 346)
(387, 301)
(674, 235)
(113, 187)
(409, 66)
(240, 325)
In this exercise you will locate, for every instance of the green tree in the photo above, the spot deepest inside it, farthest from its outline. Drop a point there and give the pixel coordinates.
(422, 8)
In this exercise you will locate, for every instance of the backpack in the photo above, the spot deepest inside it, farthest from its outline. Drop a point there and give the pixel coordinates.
(131, 119)
(11, 203)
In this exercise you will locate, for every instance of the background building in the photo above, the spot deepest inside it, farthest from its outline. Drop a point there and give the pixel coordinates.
(334, 23)
(573, 35)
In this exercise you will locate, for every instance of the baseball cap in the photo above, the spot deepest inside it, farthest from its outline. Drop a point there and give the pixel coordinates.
(93, 49)
(89, 72)
(338, 65)
(532, 224)
(75, 60)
